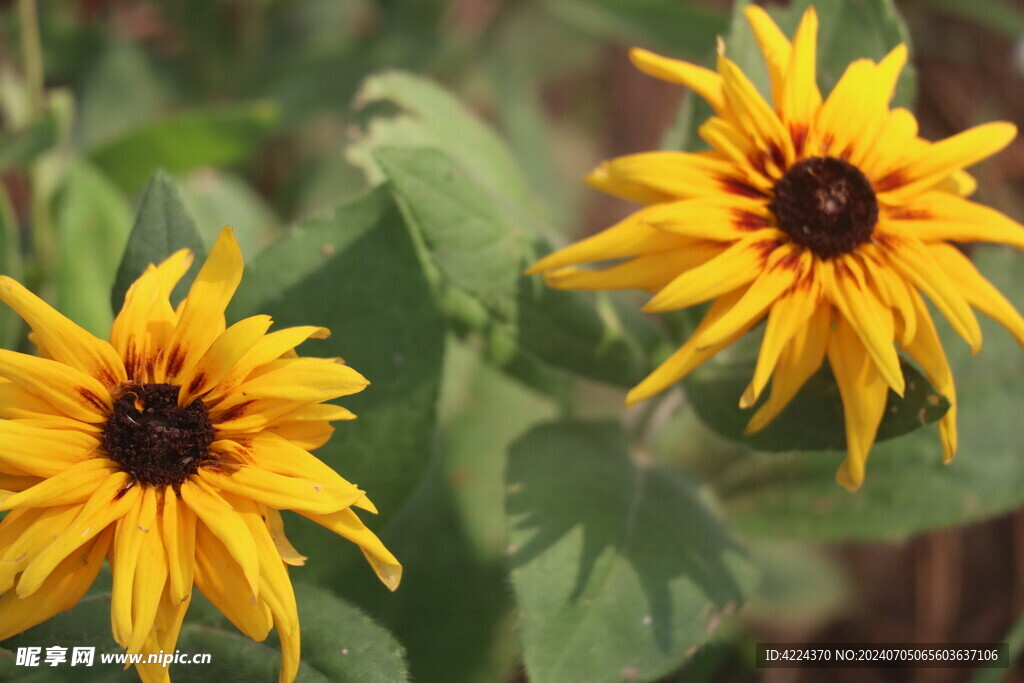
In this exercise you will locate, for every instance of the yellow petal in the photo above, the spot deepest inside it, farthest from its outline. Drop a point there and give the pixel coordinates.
(218, 517)
(74, 485)
(940, 216)
(16, 402)
(303, 433)
(939, 159)
(285, 493)
(674, 175)
(202, 317)
(111, 501)
(627, 238)
(710, 218)
(755, 116)
(347, 524)
(726, 138)
(687, 357)
(179, 534)
(268, 348)
(303, 380)
(848, 115)
(736, 266)
(221, 357)
(788, 315)
(784, 269)
(926, 349)
(221, 580)
(886, 151)
(800, 359)
(65, 341)
(847, 288)
(916, 264)
(26, 533)
(61, 590)
(800, 96)
(648, 272)
(148, 587)
(285, 549)
(129, 334)
(864, 393)
(274, 454)
(71, 391)
(275, 588)
(774, 46)
(705, 82)
(43, 452)
(979, 292)
(124, 558)
(894, 291)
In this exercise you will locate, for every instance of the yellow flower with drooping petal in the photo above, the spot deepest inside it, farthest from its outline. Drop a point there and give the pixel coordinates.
(829, 217)
(169, 450)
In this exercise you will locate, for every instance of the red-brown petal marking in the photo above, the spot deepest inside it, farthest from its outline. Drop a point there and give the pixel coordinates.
(744, 220)
(738, 187)
(93, 399)
(891, 181)
(798, 131)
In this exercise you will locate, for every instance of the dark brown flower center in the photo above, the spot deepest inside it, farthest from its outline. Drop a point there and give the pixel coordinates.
(826, 205)
(153, 439)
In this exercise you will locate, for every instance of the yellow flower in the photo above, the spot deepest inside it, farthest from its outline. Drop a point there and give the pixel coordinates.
(829, 217)
(169, 450)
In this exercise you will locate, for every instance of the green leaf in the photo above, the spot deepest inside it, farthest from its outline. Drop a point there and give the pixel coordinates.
(618, 570)
(93, 219)
(478, 257)
(162, 227)
(474, 250)
(671, 26)
(199, 137)
(813, 420)
(215, 199)
(11, 325)
(907, 488)
(356, 272)
(21, 147)
(430, 117)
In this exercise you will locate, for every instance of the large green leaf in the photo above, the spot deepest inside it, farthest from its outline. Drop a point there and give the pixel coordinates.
(356, 272)
(907, 488)
(618, 569)
(813, 420)
(93, 220)
(162, 227)
(199, 137)
(478, 256)
(431, 117)
(340, 644)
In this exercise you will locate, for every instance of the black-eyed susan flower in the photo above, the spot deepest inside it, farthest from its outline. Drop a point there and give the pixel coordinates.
(829, 217)
(171, 450)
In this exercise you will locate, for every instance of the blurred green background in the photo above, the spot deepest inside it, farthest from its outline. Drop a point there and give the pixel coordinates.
(609, 545)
